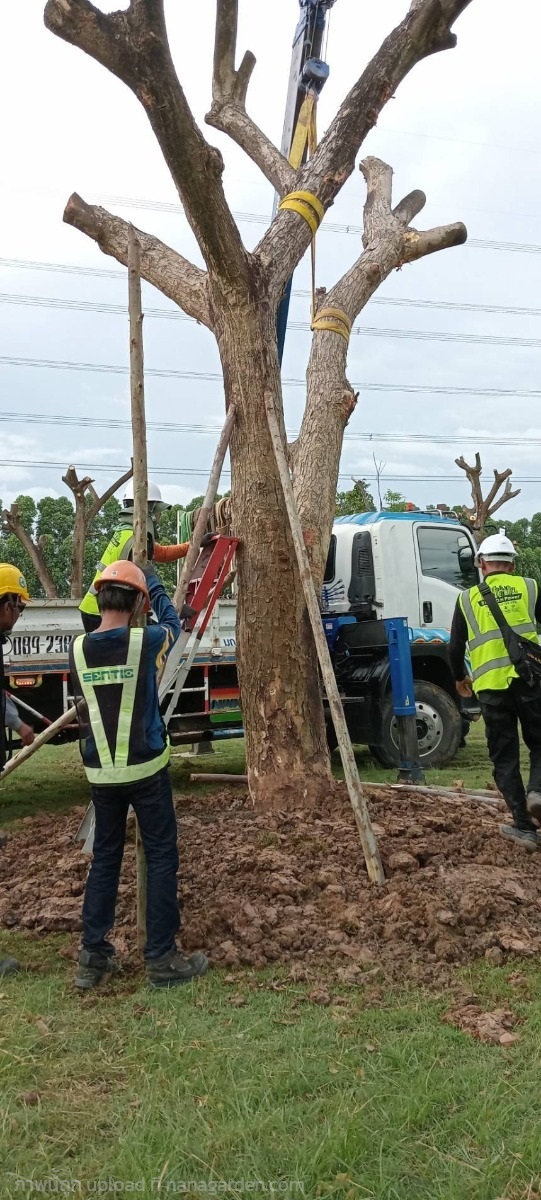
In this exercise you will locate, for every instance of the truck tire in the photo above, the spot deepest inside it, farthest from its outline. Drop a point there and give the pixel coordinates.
(439, 728)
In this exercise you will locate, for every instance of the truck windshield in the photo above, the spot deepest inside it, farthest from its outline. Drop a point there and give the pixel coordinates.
(447, 554)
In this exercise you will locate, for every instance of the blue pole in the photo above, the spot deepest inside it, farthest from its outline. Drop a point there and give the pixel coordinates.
(403, 693)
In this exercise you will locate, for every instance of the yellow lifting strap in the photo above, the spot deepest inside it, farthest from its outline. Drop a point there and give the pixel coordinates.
(334, 320)
(308, 206)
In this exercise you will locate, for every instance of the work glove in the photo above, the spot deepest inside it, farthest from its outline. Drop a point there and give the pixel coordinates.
(187, 612)
(207, 539)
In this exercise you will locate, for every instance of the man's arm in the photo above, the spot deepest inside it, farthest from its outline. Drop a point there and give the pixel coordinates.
(538, 606)
(165, 554)
(13, 721)
(168, 628)
(11, 715)
(457, 644)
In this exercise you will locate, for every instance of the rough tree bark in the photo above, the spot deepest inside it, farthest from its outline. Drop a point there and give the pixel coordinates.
(484, 507)
(237, 298)
(12, 523)
(82, 491)
(389, 242)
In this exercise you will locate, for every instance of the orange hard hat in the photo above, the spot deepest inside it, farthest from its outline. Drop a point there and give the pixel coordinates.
(127, 575)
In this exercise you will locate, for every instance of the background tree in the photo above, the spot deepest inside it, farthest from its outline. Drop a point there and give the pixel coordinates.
(237, 298)
(358, 500)
(484, 507)
(25, 549)
(87, 506)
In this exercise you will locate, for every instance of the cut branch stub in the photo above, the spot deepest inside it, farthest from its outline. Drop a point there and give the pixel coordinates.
(228, 110)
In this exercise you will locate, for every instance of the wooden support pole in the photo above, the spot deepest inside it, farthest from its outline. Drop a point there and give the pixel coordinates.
(432, 793)
(140, 498)
(55, 727)
(356, 795)
(205, 511)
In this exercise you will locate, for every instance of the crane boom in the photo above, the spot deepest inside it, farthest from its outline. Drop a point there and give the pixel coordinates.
(307, 71)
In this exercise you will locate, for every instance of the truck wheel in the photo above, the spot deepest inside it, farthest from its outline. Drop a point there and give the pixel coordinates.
(439, 728)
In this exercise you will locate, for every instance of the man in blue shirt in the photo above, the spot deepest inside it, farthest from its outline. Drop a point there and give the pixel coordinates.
(125, 754)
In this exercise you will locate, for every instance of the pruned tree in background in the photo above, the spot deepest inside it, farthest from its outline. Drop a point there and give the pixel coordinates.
(484, 507)
(87, 506)
(237, 299)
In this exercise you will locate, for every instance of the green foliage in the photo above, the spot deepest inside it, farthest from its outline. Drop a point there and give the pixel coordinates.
(358, 500)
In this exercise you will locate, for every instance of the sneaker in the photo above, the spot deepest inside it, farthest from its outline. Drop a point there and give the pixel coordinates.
(9, 966)
(533, 804)
(172, 969)
(92, 968)
(524, 837)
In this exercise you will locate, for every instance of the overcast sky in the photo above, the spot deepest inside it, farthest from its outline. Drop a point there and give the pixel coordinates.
(464, 127)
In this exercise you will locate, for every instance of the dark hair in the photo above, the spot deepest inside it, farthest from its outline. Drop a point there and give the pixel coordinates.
(120, 599)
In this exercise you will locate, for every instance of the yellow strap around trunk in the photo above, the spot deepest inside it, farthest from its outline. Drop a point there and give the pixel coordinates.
(333, 320)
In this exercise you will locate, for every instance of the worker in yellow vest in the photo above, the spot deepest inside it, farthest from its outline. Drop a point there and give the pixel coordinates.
(505, 698)
(121, 547)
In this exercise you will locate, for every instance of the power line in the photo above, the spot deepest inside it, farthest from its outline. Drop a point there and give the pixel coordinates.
(67, 420)
(59, 302)
(215, 376)
(204, 471)
(252, 218)
(400, 301)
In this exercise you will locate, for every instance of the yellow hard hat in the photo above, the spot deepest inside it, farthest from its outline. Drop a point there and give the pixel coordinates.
(12, 582)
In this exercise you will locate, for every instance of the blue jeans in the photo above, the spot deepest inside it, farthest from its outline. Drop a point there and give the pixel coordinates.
(152, 800)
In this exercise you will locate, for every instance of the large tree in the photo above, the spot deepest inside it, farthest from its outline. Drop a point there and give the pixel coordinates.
(237, 298)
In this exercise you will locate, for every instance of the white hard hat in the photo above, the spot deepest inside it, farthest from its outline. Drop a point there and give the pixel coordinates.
(496, 548)
(154, 496)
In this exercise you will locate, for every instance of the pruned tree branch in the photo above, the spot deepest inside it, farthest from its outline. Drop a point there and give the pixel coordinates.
(425, 30)
(84, 516)
(12, 523)
(133, 45)
(388, 241)
(228, 110)
(161, 266)
(484, 507)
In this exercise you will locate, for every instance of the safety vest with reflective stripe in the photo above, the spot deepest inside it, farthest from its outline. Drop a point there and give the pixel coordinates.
(120, 547)
(490, 664)
(114, 765)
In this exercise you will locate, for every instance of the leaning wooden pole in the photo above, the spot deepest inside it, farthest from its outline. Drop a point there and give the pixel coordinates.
(356, 795)
(140, 497)
(67, 718)
(205, 510)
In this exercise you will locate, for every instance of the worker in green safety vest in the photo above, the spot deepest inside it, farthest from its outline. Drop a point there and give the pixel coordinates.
(121, 547)
(125, 755)
(505, 699)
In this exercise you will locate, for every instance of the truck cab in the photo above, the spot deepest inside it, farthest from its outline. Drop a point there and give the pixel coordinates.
(411, 565)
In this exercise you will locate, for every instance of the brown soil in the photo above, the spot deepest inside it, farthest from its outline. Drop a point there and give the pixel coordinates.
(291, 888)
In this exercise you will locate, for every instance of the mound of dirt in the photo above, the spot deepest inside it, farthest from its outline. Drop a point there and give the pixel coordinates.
(292, 887)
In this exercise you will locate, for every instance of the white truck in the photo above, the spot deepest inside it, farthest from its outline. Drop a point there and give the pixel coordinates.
(379, 565)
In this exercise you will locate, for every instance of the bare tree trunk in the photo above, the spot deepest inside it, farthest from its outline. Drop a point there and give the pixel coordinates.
(13, 524)
(286, 746)
(81, 489)
(484, 507)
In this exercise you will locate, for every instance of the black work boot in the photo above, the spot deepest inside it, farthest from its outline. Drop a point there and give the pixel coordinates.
(9, 966)
(533, 804)
(92, 968)
(173, 968)
(523, 837)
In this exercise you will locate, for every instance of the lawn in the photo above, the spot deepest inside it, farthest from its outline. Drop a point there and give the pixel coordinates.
(243, 1085)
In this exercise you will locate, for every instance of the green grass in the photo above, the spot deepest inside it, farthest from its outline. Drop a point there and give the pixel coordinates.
(130, 1085)
(349, 1101)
